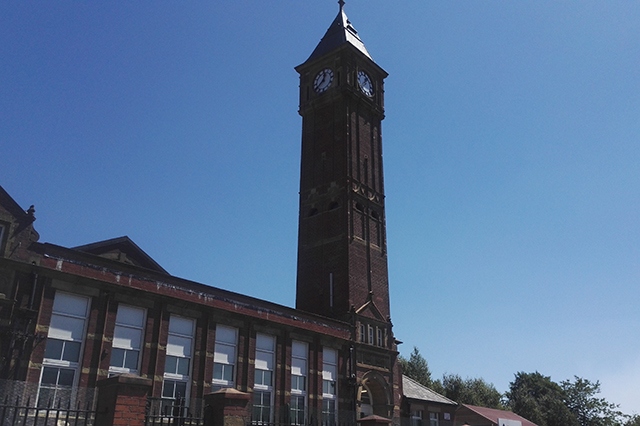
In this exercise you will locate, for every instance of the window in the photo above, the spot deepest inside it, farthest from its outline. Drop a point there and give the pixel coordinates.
(263, 378)
(363, 333)
(329, 391)
(63, 347)
(416, 418)
(261, 407)
(299, 355)
(177, 365)
(371, 341)
(224, 357)
(366, 409)
(380, 337)
(297, 409)
(433, 419)
(365, 170)
(127, 340)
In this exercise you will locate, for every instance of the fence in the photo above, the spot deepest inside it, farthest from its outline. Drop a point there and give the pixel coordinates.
(310, 423)
(173, 412)
(54, 414)
(124, 399)
(284, 417)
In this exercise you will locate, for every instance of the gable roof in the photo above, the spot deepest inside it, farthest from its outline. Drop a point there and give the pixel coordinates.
(414, 390)
(122, 249)
(370, 306)
(14, 208)
(493, 414)
(20, 223)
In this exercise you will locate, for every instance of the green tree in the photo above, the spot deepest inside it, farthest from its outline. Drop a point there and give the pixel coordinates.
(589, 410)
(539, 399)
(633, 420)
(473, 391)
(417, 368)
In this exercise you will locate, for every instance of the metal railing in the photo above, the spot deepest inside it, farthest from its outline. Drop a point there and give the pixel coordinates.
(310, 423)
(172, 412)
(286, 418)
(14, 412)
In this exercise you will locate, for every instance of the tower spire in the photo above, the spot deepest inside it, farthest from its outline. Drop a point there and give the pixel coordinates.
(340, 32)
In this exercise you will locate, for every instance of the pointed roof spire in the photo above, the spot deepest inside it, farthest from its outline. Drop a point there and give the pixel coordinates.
(340, 32)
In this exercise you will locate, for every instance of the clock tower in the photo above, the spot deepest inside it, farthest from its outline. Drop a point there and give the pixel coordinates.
(342, 250)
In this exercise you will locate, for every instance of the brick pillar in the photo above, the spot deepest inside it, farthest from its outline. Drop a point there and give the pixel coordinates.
(226, 407)
(122, 400)
(374, 421)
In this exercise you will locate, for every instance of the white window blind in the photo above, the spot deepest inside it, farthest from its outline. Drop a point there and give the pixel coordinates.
(127, 340)
(224, 357)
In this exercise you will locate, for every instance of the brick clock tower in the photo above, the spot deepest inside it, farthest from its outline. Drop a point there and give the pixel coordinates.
(342, 252)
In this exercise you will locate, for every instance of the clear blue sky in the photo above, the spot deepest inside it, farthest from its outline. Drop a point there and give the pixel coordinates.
(511, 150)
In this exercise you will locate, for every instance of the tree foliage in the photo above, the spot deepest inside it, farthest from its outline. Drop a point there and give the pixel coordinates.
(473, 391)
(465, 391)
(417, 368)
(588, 409)
(633, 420)
(539, 399)
(573, 403)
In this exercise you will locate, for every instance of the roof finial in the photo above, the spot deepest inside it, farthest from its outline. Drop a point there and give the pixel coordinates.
(341, 3)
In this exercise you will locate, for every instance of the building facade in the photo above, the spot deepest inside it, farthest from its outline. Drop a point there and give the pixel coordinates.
(70, 317)
(422, 406)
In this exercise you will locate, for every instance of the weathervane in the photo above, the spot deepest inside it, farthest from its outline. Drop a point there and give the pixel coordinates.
(341, 3)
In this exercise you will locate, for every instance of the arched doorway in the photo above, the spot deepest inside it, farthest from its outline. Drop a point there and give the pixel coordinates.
(373, 396)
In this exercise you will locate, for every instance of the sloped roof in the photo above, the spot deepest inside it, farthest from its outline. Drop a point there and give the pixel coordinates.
(370, 306)
(10, 210)
(122, 249)
(13, 207)
(414, 390)
(493, 414)
(340, 32)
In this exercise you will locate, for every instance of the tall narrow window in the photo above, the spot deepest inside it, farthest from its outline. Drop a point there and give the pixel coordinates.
(416, 418)
(263, 378)
(363, 333)
(329, 388)
(177, 367)
(1, 237)
(127, 340)
(224, 358)
(61, 362)
(371, 341)
(298, 404)
(380, 336)
(366, 409)
(366, 170)
(433, 419)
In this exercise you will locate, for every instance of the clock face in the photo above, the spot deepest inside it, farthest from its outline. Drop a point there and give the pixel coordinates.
(365, 83)
(323, 80)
